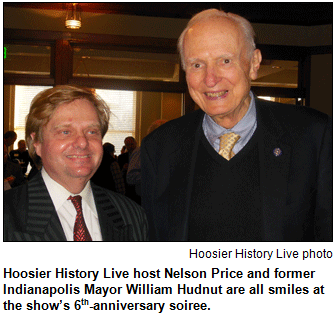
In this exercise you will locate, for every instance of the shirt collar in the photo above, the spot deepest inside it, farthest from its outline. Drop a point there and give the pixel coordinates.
(59, 194)
(213, 131)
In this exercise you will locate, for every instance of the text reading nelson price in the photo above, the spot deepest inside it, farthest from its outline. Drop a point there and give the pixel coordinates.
(167, 273)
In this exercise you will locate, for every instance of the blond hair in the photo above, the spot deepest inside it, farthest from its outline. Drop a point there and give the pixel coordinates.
(46, 102)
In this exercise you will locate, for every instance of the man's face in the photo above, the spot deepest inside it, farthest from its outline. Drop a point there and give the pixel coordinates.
(218, 70)
(11, 141)
(72, 143)
(22, 146)
(130, 144)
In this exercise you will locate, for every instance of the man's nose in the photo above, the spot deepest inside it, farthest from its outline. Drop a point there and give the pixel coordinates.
(212, 77)
(81, 141)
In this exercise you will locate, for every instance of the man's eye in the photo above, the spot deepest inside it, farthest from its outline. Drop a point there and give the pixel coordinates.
(226, 61)
(94, 132)
(65, 132)
(196, 66)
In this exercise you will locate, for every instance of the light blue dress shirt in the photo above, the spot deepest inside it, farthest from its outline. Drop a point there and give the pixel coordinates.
(245, 128)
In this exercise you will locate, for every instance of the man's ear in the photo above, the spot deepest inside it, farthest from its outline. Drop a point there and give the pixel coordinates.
(255, 64)
(36, 144)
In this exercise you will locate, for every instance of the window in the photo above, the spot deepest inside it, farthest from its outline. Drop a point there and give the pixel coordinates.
(123, 116)
(23, 97)
(121, 103)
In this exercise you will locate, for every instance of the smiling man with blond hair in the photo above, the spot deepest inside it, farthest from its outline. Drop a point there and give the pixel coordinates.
(64, 131)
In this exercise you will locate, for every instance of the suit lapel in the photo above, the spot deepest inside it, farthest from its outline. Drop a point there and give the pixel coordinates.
(43, 223)
(42, 219)
(275, 158)
(111, 222)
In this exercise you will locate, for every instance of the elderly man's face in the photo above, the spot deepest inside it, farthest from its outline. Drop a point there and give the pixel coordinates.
(218, 70)
(71, 149)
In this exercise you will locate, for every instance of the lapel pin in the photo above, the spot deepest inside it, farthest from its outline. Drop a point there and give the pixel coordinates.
(277, 152)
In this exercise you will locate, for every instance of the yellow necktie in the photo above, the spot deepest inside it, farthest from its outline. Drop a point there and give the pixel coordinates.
(227, 143)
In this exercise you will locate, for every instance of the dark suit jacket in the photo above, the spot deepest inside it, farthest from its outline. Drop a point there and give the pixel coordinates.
(296, 187)
(13, 169)
(29, 215)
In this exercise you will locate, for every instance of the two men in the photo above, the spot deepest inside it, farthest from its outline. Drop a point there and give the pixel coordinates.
(239, 169)
(64, 132)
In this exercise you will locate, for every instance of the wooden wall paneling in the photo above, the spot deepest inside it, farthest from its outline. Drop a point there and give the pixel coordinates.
(62, 62)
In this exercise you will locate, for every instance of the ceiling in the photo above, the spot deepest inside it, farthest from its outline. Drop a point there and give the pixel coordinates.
(289, 13)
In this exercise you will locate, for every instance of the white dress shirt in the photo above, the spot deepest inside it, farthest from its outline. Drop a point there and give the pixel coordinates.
(66, 211)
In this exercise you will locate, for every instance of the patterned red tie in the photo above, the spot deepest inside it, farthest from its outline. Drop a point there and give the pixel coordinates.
(80, 231)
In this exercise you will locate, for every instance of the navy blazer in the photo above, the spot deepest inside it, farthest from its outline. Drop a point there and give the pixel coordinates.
(29, 215)
(296, 187)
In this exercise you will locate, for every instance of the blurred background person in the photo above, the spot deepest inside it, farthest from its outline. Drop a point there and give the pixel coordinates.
(109, 175)
(111, 148)
(9, 139)
(21, 156)
(123, 150)
(12, 173)
(130, 145)
(134, 169)
(123, 160)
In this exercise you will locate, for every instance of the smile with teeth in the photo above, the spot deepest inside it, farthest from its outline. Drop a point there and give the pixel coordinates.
(216, 94)
(80, 157)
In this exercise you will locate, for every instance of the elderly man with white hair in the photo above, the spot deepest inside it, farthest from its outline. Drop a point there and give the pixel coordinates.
(238, 169)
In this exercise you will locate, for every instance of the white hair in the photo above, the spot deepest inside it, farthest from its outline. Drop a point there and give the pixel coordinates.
(211, 14)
